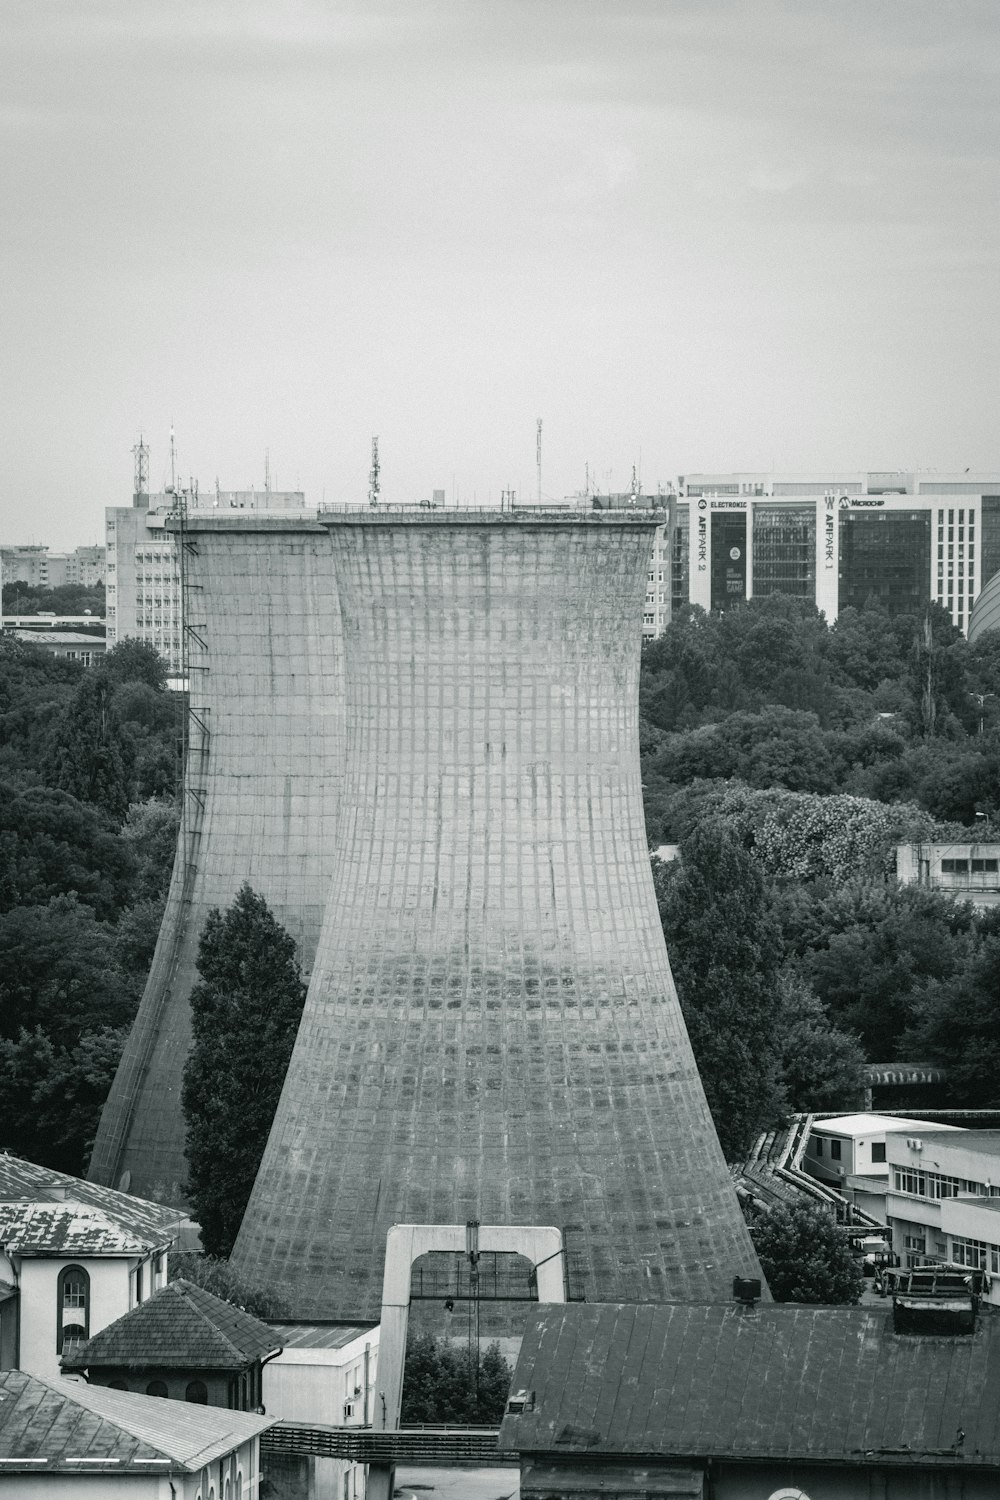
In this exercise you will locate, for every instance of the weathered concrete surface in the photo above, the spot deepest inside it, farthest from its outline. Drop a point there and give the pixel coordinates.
(261, 786)
(492, 1031)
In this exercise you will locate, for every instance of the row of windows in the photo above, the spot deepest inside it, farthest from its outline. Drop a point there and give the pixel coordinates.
(922, 1184)
(961, 866)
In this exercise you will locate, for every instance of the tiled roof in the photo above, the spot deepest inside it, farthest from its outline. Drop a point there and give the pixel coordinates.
(24, 1181)
(181, 1326)
(70, 1426)
(795, 1382)
(75, 1229)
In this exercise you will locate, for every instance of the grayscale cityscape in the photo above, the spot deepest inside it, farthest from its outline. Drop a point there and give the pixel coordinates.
(500, 751)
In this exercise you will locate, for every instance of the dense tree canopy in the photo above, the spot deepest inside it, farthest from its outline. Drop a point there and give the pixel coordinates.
(725, 950)
(805, 1255)
(245, 1012)
(444, 1383)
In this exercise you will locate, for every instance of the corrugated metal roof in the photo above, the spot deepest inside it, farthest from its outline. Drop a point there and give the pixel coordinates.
(75, 1229)
(773, 1381)
(320, 1335)
(47, 1426)
(182, 1327)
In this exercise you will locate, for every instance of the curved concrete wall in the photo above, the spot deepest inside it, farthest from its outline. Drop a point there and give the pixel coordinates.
(986, 610)
(492, 1031)
(261, 788)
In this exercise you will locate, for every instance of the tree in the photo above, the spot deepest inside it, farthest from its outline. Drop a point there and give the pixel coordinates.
(58, 972)
(51, 1096)
(805, 1255)
(218, 1277)
(132, 660)
(245, 1012)
(725, 950)
(442, 1383)
(88, 756)
(955, 1025)
(820, 1064)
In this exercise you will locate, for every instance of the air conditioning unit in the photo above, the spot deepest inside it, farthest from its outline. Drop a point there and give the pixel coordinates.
(914, 1144)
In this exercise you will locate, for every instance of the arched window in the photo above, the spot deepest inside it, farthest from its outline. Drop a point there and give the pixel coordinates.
(197, 1392)
(72, 1306)
(156, 1388)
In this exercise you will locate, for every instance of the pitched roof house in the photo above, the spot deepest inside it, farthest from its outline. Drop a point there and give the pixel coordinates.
(185, 1343)
(73, 1258)
(65, 1438)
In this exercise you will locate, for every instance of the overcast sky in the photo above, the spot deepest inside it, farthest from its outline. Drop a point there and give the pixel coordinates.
(707, 234)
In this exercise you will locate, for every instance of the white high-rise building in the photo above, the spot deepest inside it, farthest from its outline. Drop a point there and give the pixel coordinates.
(143, 574)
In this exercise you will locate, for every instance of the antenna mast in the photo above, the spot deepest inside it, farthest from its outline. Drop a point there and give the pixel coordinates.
(538, 456)
(374, 480)
(140, 487)
(267, 471)
(173, 464)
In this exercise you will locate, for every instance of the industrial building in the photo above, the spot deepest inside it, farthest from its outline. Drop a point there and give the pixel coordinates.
(491, 1032)
(266, 742)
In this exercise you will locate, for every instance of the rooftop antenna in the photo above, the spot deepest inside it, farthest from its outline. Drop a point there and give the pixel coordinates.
(267, 471)
(374, 481)
(173, 463)
(140, 453)
(634, 486)
(538, 456)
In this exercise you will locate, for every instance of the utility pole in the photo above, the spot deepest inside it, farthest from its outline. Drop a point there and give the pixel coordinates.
(374, 480)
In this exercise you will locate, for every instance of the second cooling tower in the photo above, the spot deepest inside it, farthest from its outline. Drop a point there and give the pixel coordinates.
(492, 1031)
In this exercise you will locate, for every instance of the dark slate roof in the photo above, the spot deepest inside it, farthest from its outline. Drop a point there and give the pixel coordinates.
(72, 1229)
(25, 1182)
(773, 1381)
(68, 1426)
(181, 1326)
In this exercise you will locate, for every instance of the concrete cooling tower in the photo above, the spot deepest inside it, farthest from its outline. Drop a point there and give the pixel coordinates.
(264, 766)
(491, 1030)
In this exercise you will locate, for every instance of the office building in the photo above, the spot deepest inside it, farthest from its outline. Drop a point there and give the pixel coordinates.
(839, 540)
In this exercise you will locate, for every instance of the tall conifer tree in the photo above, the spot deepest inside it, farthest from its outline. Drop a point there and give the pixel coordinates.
(245, 1012)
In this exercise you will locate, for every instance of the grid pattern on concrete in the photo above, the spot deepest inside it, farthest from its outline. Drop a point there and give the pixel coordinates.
(492, 1031)
(261, 788)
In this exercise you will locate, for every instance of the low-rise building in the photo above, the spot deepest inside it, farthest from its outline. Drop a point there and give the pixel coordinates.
(184, 1343)
(69, 645)
(66, 1440)
(324, 1376)
(73, 1258)
(753, 1402)
(943, 1201)
(849, 1152)
(971, 871)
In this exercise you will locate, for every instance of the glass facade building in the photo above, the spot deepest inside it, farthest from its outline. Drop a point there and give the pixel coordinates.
(885, 555)
(784, 550)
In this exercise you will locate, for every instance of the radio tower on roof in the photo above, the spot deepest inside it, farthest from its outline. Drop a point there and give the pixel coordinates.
(374, 481)
(140, 486)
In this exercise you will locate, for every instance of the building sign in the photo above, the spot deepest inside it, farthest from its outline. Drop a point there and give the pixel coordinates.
(718, 504)
(830, 534)
(851, 502)
(702, 536)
